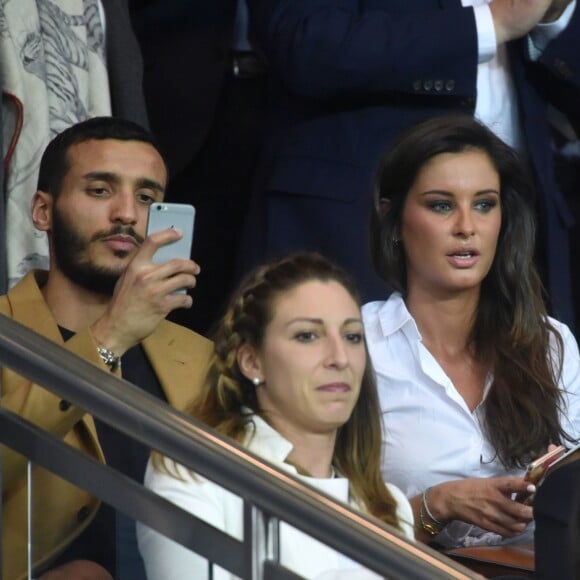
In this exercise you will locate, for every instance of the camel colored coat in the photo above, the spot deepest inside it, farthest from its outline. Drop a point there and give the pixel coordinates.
(61, 511)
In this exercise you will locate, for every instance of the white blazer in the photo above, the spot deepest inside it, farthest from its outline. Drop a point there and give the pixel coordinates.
(166, 560)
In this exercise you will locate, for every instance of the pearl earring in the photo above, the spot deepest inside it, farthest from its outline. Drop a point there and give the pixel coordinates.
(256, 381)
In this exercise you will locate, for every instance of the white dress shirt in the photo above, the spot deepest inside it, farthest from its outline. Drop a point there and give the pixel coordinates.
(167, 560)
(430, 435)
(496, 105)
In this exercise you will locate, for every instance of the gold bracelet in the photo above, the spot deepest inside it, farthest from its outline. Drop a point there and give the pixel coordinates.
(429, 522)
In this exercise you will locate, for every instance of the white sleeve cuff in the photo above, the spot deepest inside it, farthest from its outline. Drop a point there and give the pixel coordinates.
(486, 42)
(542, 34)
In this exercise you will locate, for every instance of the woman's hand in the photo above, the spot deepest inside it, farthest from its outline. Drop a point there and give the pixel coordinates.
(485, 502)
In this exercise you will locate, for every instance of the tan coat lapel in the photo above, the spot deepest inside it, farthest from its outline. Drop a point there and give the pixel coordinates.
(180, 359)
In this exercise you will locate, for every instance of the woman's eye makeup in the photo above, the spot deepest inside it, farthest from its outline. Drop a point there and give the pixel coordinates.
(445, 206)
(486, 205)
(440, 206)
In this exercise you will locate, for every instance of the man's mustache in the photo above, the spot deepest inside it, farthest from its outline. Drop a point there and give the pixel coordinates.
(119, 230)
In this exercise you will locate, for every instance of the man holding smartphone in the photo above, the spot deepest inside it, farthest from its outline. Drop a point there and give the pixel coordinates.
(104, 299)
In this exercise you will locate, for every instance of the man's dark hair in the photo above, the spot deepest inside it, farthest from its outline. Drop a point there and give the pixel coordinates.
(55, 164)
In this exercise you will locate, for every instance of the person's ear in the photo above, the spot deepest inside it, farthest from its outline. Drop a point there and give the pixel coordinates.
(42, 206)
(250, 363)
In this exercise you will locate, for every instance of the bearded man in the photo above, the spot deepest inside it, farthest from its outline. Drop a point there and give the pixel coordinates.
(105, 300)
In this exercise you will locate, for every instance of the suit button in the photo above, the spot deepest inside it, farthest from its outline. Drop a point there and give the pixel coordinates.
(438, 86)
(417, 86)
(64, 405)
(428, 85)
(83, 514)
(449, 85)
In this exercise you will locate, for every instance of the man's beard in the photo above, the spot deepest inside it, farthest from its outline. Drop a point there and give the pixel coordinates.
(69, 254)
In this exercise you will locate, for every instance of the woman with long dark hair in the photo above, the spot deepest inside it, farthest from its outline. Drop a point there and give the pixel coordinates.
(475, 380)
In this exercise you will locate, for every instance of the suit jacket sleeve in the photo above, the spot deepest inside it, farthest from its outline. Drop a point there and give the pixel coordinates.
(329, 48)
(557, 72)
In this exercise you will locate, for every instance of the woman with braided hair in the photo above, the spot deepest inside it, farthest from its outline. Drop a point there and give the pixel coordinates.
(291, 382)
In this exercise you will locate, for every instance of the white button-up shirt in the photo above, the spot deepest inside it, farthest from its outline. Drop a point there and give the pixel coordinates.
(496, 103)
(430, 434)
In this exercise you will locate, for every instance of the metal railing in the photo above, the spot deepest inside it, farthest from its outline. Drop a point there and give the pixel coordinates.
(270, 494)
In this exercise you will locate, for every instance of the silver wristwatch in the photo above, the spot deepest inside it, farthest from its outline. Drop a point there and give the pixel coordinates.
(109, 358)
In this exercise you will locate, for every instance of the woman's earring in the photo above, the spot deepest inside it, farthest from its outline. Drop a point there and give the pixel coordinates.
(256, 381)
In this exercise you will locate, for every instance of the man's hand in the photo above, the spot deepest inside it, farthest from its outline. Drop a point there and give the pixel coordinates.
(144, 295)
(515, 18)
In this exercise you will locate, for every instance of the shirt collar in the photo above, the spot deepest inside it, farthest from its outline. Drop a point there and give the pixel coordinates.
(394, 316)
(264, 440)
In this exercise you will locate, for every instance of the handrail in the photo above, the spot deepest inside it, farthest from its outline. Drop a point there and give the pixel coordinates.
(138, 414)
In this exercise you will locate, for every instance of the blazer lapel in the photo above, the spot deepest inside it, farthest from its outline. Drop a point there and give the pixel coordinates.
(28, 307)
(180, 360)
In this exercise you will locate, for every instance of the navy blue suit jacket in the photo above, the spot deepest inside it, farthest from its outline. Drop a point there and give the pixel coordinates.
(347, 76)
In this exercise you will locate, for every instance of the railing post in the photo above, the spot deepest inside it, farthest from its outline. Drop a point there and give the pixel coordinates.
(255, 534)
(274, 539)
(262, 532)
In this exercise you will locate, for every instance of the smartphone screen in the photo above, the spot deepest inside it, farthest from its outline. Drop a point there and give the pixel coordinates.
(178, 216)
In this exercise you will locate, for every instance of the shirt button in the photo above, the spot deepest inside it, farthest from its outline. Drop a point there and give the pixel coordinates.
(64, 405)
(438, 86)
(449, 85)
(428, 85)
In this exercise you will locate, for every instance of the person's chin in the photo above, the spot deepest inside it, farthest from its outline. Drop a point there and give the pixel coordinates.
(113, 264)
(338, 413)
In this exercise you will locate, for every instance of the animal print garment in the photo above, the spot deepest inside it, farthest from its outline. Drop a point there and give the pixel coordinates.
(53, 74)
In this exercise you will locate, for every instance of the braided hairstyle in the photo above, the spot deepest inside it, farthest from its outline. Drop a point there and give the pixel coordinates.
(227, 391)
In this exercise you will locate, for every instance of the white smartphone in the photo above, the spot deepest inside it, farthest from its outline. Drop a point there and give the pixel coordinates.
(178, 216)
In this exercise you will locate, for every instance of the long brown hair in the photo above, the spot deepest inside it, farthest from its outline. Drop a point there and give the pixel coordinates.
(227, 391)
(511, 332)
